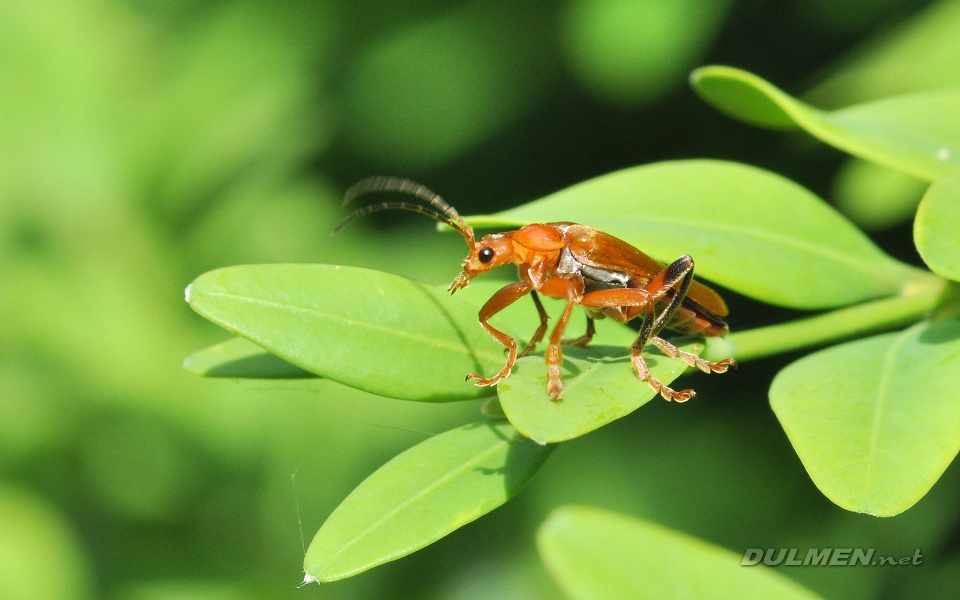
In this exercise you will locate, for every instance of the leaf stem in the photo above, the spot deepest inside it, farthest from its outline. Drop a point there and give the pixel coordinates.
(908, 307)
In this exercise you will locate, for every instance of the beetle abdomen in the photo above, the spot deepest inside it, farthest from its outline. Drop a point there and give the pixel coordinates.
(695, 319)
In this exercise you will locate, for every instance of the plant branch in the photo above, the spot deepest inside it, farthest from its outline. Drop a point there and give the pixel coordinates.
(855, 321)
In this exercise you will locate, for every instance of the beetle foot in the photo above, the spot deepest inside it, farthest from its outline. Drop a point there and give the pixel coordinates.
(721, 366)
(693, 360)
(553, 358)
(706, 366)
(488, 381)
(668, 394)
(554, 383)
(555, 389)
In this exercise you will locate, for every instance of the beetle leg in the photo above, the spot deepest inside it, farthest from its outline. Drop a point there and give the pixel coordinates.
(640, 365)
(619, 298)
(680, 266)
(644, 301)
(557, 287)
(504, 297)
(584, 339)
(542, 329)
(692, 359)
(677, 276)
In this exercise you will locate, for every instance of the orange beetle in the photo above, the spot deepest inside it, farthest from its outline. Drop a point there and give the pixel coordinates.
(583, 266)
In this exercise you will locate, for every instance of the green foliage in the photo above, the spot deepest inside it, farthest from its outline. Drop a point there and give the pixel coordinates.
(875, 421)
(144, 142)
(599, 555)
(917, 55)
(935, 229)
(239, 357)
(33, 536)
(918, 134)
(874, 439)
(599, 385)
(647, 47)
(455, 80)
(367, 329)
(875, 197)
(422, 495)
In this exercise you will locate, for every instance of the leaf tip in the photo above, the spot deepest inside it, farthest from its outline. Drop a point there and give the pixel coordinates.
(186, 293)
(695, 76)
(705, 73)
(745, 96)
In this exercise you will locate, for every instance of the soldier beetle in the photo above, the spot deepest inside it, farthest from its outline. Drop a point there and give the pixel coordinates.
(582, 266)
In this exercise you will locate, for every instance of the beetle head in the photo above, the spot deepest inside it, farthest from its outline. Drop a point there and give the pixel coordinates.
(491, 251)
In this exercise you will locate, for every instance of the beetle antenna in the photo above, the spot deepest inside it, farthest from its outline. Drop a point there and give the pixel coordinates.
(381, 183)
(468, 233)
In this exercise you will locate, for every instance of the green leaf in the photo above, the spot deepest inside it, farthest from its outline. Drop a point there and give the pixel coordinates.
(876, 197)
(241, 358)
(422, 495)
(238, 357)
(876, 421)
(370, 330)
(918, 133)
(596, 554)
(936, 230)
(599, 386)
(747, 229)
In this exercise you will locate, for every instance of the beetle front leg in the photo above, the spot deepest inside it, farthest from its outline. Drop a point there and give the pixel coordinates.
(504, 297)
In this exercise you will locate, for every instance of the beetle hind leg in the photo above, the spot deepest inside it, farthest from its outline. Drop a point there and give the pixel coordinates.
(640, 365)
(693, 360)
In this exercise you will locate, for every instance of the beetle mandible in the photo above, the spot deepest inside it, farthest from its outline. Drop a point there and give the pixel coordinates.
(582, 266)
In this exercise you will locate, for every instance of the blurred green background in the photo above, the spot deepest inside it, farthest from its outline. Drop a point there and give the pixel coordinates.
(143, 142)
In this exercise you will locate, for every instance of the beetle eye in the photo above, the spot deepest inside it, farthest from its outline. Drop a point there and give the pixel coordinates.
(485, 255)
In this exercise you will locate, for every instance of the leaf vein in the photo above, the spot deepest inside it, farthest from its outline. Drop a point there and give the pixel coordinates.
(423, 492)
(871, 268)
(885, 375)
(460, 348)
